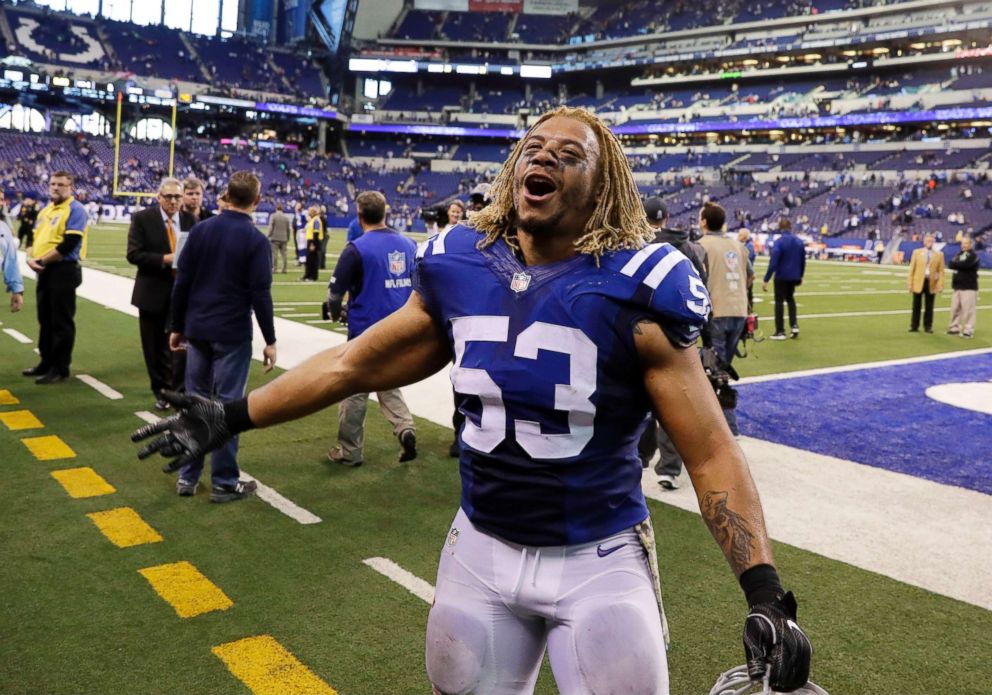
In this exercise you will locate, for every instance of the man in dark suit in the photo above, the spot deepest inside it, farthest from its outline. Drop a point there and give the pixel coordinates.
(193, 200)
(151, 246)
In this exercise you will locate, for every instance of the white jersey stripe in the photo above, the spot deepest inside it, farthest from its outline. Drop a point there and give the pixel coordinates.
(637, 260)
(438, 246)
(664, 267)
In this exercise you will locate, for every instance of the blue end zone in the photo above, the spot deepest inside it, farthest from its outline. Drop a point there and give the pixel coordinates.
(880, 417)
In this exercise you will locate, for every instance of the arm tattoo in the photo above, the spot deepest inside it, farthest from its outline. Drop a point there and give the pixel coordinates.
(729, 528)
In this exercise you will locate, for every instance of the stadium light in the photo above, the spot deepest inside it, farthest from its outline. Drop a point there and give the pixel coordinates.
(538, 71)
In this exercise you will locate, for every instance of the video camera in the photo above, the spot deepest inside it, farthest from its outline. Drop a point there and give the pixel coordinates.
(438, 214)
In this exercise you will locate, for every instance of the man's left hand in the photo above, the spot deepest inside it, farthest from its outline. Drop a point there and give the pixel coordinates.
(775, 645)
(16, 302)
(764, 287)
(269, 357)
(35, 265)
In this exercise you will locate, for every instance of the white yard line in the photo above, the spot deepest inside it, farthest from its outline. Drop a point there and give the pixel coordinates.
(100, 387)
(889, 312)
(264, 492)
(864, 365)
(283, 504)
(409, 581)
(18, 336)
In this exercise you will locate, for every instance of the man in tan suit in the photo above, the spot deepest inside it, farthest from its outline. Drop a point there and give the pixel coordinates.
(926, 280)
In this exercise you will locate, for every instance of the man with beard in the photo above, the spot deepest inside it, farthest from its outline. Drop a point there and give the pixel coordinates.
(566, 327)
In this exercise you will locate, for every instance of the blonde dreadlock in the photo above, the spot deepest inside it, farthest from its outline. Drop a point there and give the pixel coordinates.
(618, 222)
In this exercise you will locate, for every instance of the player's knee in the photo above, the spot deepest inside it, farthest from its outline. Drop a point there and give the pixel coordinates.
(456, 650)
(634, 664)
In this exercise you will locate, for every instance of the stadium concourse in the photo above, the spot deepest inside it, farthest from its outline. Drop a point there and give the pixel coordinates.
(867, 124)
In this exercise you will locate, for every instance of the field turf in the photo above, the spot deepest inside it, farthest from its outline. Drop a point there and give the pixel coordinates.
(79, 618)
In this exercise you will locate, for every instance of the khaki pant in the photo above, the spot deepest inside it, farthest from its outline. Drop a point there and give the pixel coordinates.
(964, 309)
(351, 422)
(278, 249)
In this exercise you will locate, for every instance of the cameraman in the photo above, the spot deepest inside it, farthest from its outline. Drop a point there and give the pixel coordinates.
(730, 273)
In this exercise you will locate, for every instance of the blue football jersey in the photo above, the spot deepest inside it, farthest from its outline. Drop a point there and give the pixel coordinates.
(548, 377)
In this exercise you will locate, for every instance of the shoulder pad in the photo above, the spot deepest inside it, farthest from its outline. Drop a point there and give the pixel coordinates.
(458, 239)
(662, 280)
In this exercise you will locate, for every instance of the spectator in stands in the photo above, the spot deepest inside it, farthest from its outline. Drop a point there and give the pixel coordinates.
(8, 265)
(787, 266)
(225, 274)
(926, 280)
(375, 272)
(193, 199)
(151, 246)
(728, 274)
(964, 300)
(26, 217)
(669, 465)
(314, 237)
(280, 230)
(55, 255)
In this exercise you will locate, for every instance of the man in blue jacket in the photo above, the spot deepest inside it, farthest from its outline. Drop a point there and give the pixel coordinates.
(11, 273)
(788, 265)
(224, 273)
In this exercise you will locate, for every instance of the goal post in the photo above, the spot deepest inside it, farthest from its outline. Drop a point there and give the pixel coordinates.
(145, 154)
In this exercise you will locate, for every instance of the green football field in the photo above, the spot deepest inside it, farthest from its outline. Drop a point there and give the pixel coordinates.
(80, 616)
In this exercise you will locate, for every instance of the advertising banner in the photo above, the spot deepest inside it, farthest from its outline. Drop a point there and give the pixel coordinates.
(550, 6)
(443, 5)
(496, 5)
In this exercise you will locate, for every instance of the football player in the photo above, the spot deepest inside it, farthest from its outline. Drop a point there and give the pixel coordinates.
(566, 326)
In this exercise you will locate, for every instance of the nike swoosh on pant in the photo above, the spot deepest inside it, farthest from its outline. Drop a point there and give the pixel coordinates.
(603, 552)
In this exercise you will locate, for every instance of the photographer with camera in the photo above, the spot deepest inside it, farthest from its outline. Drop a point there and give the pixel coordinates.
(729, 275)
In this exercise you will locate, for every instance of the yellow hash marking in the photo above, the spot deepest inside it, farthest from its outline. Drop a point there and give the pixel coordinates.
(268, 668)
(7, 398)
(20, 420)
(83, 482)
(49, 448)
(124, 527)
(186, 589)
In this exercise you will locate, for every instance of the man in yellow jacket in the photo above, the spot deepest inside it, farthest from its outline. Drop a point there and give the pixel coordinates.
(59, 244)
(926, 280)
(314, 235)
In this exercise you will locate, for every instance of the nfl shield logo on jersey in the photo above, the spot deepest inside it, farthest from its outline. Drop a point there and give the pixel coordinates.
(520, 282)
(397, 262)
(732, 260)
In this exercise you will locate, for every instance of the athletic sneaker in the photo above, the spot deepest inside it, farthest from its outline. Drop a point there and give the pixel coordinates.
(953, 331)
(778, 336)
(967, 335)
(795, 331)
(229, 493)
(668, 482)
(185, 488)
(408, 440)
(337, 456)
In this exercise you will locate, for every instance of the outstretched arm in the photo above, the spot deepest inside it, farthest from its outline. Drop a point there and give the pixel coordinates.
(688, 410)
(402, 349)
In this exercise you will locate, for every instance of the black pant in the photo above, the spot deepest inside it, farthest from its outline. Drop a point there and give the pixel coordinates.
(785, 292)
(56, 296)
(166, 369)
(927, 297)
(25, 233)
(323, 251)
(313, 260)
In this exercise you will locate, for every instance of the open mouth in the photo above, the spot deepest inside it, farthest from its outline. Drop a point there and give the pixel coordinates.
(539, 186)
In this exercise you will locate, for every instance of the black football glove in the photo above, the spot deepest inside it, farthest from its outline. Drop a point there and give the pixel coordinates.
(775, 644)
(200, 426)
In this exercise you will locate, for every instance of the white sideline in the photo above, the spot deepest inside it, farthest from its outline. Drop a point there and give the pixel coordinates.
(409, 581)
(18, 336)
(264, 492)
(913, 530)
(888, 312)
(844, 530)
(100, 387)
